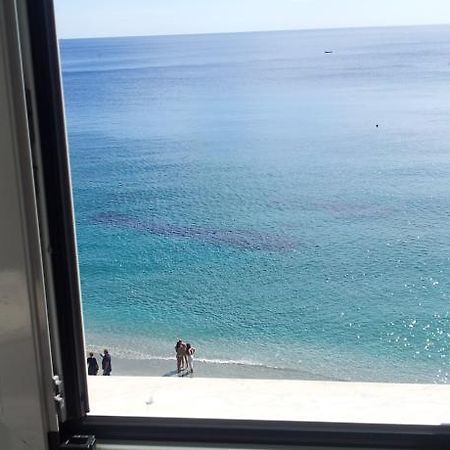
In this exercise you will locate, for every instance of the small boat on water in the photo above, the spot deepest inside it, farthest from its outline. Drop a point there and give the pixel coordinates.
(328, 51)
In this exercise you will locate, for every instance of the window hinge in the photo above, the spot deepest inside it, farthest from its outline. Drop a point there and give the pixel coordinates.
(58, 396)
(80, 441)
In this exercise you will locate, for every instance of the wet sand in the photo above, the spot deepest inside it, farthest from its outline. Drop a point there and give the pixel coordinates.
(202, 369)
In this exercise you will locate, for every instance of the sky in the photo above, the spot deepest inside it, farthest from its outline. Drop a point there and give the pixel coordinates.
(98, 18)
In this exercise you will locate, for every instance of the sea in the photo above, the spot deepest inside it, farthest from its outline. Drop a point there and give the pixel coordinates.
(281, 200)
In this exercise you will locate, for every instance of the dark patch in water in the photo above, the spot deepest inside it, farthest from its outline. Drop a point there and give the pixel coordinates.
(249, 240)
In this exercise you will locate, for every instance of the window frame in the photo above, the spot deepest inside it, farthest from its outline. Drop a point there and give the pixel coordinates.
(261, 432)
(56, 193)
(59, 219)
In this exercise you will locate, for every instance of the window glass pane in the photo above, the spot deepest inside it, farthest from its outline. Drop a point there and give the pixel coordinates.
(267, 181)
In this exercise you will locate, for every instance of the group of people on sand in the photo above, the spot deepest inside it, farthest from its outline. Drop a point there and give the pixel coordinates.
(184, 353)
(93, 365)
(185, 357)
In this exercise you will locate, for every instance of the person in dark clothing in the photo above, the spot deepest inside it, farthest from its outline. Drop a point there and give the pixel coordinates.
(180, 350)
(92, 365)
(106, 363)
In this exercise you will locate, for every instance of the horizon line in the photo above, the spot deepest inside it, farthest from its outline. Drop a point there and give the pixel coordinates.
(356, 27)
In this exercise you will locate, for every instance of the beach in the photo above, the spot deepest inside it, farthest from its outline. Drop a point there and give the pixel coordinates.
(279, 400)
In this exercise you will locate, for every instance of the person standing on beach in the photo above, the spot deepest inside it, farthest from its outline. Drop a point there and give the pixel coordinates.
(180, 350)
(190, 357)
(106, 363)
(92, 364)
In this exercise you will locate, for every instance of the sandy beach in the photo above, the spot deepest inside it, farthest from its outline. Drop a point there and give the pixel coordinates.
(151, 387)
(290, 400)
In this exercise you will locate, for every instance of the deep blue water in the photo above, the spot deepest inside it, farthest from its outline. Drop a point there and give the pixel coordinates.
(234, 190)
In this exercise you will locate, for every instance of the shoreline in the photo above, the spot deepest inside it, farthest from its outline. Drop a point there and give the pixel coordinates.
(135, 363)
(165, 367)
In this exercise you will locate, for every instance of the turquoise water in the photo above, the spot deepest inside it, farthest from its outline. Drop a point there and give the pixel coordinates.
(234, 190)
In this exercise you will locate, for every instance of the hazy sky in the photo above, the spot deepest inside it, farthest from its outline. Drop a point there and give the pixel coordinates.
(89, 18)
